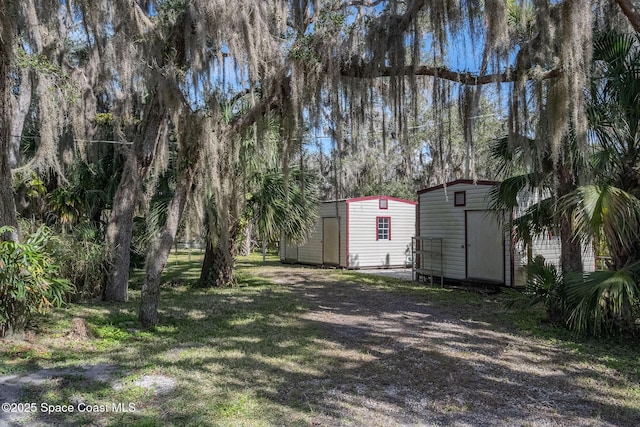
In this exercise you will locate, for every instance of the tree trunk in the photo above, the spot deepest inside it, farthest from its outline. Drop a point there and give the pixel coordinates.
(246, 242)
(217, 267)
(7, 202)
(224, 257)
(207, 265)
(120, 227)
(570, 248)
(120, 231)
(630, 12)
(159, 252)
(19, 110)
(264, 251)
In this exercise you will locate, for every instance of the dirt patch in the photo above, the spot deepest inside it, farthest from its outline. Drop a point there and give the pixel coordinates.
(403, 360)
(13, 387)
(395, 273)
(158, 385)
(80, 330)
(333, 349)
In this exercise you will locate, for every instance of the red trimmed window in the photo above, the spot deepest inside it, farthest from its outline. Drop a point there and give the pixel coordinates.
(383, 228)
(383, 203)
(460, 198)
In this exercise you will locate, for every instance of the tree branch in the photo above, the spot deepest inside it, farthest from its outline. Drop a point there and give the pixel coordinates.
(282, 91)
(268, 103)
(466, 78)
(632, 15)
(409, 16)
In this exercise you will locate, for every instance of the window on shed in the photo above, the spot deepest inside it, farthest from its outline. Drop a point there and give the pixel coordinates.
(384, 203)
(460, 198)
(383, 228)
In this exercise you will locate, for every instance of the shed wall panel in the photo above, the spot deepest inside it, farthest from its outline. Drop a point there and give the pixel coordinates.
(312, 251)
(365, 250)
(439, 217)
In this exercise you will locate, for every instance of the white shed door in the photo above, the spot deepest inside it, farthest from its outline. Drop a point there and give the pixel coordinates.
(485, 246)
(330, 241)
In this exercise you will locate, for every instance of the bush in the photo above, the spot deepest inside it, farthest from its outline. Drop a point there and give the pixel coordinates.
(544, 286)
(599, 303)
(81, 256)
(29, 281)
(605, 302)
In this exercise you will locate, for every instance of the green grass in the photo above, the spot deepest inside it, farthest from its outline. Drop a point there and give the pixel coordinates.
(228, 349)
(239, 353)
(183, 267)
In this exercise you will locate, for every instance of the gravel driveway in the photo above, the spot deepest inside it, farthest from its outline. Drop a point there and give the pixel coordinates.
(406, 361)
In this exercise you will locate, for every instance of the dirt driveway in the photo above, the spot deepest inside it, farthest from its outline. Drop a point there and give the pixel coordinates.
(404, 360)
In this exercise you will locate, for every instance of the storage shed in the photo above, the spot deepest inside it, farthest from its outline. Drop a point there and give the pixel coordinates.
(363, 232)
(459, 237)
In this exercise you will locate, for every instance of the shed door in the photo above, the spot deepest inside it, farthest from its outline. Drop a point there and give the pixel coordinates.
(330, 241)
(485, 246)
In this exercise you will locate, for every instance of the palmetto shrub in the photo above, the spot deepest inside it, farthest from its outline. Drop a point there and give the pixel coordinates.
(605, 302)
(544, 286)
(29, 280)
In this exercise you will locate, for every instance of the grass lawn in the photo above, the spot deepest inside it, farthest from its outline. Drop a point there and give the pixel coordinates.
(251, 355)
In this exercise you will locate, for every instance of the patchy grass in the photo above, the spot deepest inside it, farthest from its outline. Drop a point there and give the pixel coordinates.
(299, 346)
(183, 267)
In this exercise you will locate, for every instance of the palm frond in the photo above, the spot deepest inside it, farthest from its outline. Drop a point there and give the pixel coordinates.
(537, 220)
(604, 210)
(280, 205)
(603, 300)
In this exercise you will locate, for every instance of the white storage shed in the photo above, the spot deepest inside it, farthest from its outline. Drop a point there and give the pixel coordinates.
(459, 237)
(363, 232)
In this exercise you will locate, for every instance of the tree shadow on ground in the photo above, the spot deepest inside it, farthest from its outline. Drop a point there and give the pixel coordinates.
(447, 366)
(313, 349)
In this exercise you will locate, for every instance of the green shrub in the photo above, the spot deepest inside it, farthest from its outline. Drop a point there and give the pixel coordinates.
(544, 286)
(80, 256)
(605, 302)
(29, 281)
(599, 303)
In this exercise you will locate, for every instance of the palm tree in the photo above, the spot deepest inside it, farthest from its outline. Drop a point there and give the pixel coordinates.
(283, 209)
(609, 209)
(281, 205)
(530, 168)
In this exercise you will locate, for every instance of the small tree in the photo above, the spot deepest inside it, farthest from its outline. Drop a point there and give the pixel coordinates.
(281, 210)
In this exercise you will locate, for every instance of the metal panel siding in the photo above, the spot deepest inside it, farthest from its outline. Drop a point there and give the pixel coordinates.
(364, 248)
(544, 246)
(588, 258)
(548, 247)
(311, 251)
(550, 250)
(329, 210)
(288, 251)
(440, 218)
